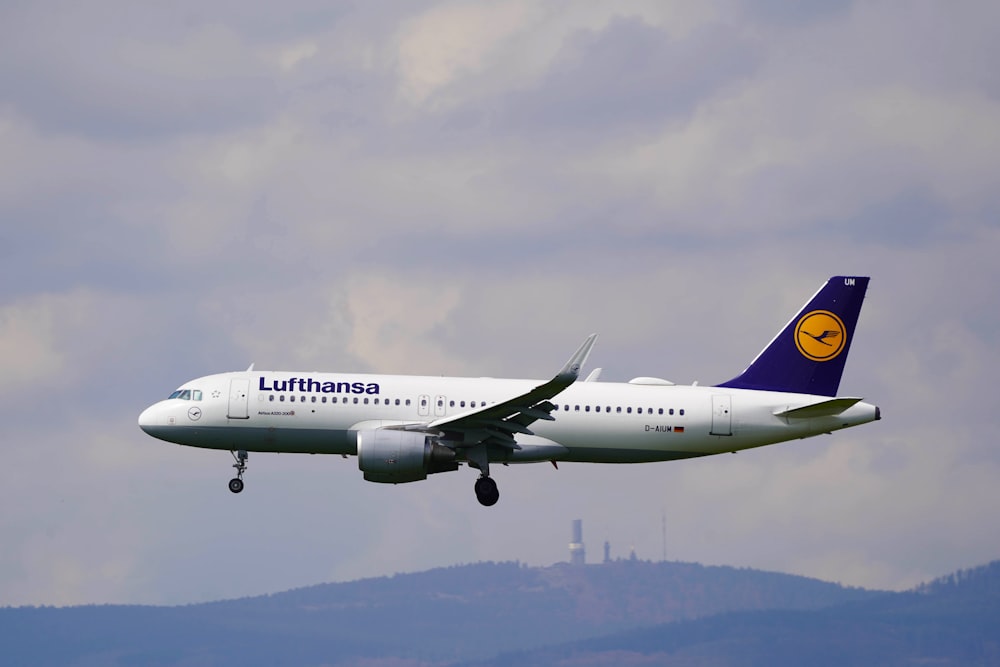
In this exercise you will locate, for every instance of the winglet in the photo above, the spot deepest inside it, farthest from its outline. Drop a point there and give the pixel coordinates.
(571, 371)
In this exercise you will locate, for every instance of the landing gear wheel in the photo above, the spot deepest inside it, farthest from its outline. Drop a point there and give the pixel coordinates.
(486, 491)
(236, 483)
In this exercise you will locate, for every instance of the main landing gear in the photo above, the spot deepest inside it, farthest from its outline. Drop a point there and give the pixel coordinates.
(486, 488)
(236, 483)
(486, 491)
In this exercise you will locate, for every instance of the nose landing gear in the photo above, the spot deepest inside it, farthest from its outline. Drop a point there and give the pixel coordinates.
(236, 483)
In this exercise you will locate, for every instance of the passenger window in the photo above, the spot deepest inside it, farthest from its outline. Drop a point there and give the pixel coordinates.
(407, 401)
(281, 398)
(291, 399)
(271, 397)
(355, 400)
(682, 411)
(397, 401)
(323, 400)
(638, 411)
(671, 411)
(618, 409)
(586, 408)
(628, 410)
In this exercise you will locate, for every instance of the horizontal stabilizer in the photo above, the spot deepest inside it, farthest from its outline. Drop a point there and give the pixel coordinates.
(829, 408)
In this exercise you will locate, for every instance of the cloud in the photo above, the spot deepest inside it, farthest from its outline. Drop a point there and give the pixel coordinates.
(110, 72)
(48, 342)
(450, 41)
(26, 338)
(391, 318)
(629, 76)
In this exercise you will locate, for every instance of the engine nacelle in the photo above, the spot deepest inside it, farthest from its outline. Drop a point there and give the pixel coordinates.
(390, 456)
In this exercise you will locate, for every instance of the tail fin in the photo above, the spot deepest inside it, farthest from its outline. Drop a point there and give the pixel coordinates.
(809, 353)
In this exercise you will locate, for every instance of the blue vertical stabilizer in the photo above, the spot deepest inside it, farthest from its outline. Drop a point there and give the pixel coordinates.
(809, 353)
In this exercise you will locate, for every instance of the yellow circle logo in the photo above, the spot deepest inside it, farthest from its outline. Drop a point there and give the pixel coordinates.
(820, 335)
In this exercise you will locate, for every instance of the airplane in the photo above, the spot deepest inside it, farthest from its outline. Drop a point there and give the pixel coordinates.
(403, 428)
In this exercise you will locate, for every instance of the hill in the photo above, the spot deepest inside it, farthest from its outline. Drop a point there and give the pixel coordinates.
(440, 616)
(951, 621)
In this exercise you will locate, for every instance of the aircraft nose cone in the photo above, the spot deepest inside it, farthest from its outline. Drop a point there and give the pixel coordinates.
(158, 421)
(148, 420)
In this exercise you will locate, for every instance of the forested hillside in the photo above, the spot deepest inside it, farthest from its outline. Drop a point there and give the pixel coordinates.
(439, 616)
(954, 620)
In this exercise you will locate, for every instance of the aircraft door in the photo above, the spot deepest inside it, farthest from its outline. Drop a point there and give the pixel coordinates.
(423, 405)
(439, 406)
(239, 392)
(722, 414)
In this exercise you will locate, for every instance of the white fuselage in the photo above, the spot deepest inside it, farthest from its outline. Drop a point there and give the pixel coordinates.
(606, 422)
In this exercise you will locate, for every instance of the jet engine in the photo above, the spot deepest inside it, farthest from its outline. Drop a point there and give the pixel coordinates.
(393, 457)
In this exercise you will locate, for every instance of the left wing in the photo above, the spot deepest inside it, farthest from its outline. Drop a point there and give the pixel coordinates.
(498, 424)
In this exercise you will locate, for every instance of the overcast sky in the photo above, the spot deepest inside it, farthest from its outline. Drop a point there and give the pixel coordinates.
(471, 189)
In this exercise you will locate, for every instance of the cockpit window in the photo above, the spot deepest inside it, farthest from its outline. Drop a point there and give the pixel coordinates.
(196, 395)
(183, 394)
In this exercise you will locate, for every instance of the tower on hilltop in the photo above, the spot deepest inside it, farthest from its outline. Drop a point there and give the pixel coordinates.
(576, 551)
